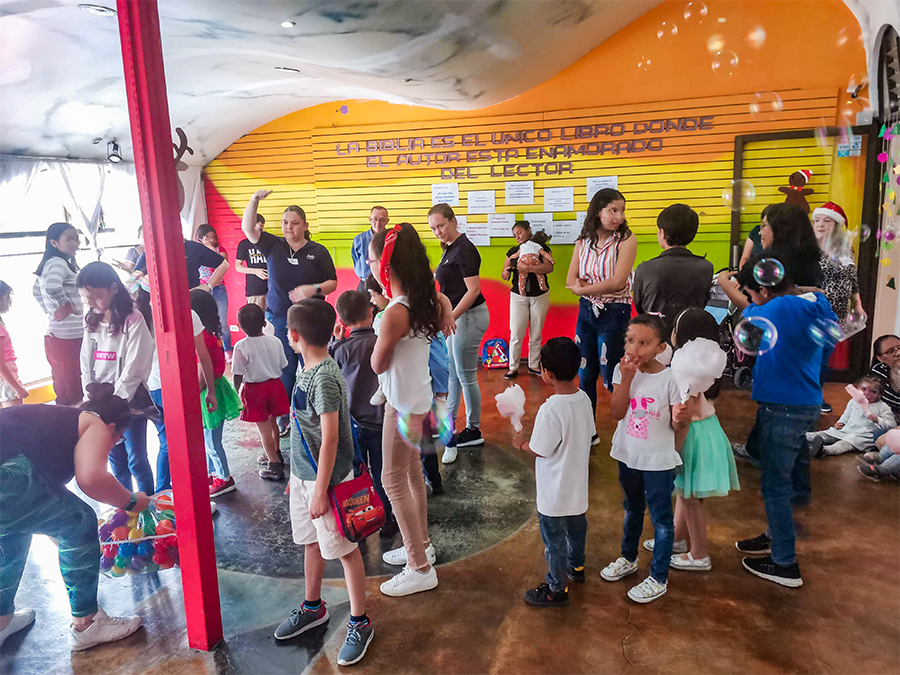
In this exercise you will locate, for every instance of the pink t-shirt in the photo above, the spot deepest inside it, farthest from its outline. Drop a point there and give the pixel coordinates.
(8, 353)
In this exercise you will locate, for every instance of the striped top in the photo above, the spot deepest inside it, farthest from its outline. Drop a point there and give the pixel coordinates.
(55, 288)
(599, 264)
(888, 394)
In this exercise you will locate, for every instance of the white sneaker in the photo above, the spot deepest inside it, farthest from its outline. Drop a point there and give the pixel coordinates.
(410, 581)
(647, 591)
(618, 569)
(378, 397)
(691, 564)
(105, 628)
(449, 455)
(213, 508)
(677, 547)
(398, 556)
(21, 619)
(595, 440)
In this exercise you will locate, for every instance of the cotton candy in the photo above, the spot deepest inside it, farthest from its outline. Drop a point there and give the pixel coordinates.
(859, 397)
(511, 404)
(697, 366)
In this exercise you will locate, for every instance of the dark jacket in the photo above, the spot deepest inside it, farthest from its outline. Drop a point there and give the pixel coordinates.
(671, 282)
(354, 357)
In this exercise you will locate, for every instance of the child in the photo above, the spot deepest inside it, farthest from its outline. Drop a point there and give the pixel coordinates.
(709, 469)
(786, 385)
(561, 442)
(856, 430)
(257, 363)
(321, 457)
(229, 405)
(354, 357)
(644, 392)
(532, 252)
(12, 391)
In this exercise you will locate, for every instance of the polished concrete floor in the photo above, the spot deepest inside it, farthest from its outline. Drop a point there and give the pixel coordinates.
(845, 618)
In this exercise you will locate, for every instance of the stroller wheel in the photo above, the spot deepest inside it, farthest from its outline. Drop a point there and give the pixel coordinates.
(743, 377)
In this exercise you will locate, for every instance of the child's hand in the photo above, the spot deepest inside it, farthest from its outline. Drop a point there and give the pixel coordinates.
(726, 278)
(840, 425)
(261, 273)
(339, 331)
(211, 402)
(518, 438)
(318, 505)
(628, 366)
(680, 413)
(872, 417)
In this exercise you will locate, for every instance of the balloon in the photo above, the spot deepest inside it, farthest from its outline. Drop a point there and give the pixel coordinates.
(136, 533)
(119, 519)
(164, 501)
(106, 563)
(120, 533)
(145, 548)
(159, 558)
(110, 551)
(167, 515)
(160, 545)
(151, 567)
(168, 564)
(105, 531)
(127, 550)
(138, 563)
(121, 561)
(165, 527)
(117, 571)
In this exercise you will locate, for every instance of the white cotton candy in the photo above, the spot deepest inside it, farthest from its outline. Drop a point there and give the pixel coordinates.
(666, 357)
(697, 366)
(511, 404)
(859, 397)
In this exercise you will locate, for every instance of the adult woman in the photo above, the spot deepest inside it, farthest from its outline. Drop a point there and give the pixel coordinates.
(600, 273)
(207, 236)
(43, 448)
(298, 268)
(528, 310)
(457, 273)
(886, 366)
(55, 291)
(118, 349)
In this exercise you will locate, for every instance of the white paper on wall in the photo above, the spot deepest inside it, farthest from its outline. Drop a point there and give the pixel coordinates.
(445, 193)
(539, 221)
(481, 201)
(478, 234)
(559, 199)
(500, 224)
(520, 192)
(597, 183)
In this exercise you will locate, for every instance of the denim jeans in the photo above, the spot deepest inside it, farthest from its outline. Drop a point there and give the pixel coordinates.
(220, 295)
(216, 461)
(129, 458)
(163, 477)
(289, 373)
(368, 451)
(592, 333)
(563, 546)
(439, 365)
(800, 480)
(782, 441)
(464, 359)
(890, 462)
(652, 490)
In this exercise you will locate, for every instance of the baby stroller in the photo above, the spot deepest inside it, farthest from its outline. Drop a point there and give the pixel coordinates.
(738, 366)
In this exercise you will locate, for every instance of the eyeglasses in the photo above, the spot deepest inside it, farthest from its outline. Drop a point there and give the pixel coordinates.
(893, 351)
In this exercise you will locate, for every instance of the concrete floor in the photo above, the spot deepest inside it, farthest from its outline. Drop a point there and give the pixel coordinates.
(845, 619)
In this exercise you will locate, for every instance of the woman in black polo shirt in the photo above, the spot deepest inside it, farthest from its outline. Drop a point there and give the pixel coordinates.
(528, 310)
(298, 269)
(457, 273)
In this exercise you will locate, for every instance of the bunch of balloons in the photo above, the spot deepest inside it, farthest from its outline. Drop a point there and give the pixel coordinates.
(139, 543)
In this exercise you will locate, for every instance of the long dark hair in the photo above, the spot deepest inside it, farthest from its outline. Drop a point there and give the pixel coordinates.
(208, 311)
(100, 275)
(54, 232)
(592, 224)
(695, 323)
(110, 408)
(409, 262)
(794, 244)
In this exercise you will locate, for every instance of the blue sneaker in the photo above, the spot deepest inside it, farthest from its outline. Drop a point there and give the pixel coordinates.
(359, 635)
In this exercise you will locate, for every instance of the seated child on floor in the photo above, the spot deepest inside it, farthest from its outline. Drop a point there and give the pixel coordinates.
(561, 442)
(857, 428)
(532, 253)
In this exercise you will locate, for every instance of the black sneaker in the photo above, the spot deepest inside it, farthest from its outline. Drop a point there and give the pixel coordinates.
(511, 375)
(284, 426)
(272, 471)
(761, 545)
(263, 459)
(542, 596)
(468, 438)
(765, 568)
(817, 447)
(437, 488)
(870, 471)
(576, 574)
(826, 408)
(534, 372)
(300, 621)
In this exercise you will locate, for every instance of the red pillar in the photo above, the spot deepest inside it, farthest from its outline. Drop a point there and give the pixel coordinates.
(148, 110)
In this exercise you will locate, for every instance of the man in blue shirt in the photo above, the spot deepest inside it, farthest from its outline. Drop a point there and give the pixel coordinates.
(378, 219)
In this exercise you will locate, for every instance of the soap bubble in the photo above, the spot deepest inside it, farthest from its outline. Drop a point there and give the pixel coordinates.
(666, 31)
(755, 335)
(408, 431)
(738, 195)
(715, 43)
(441, 424)
(765, 106)
(695, 12)
(854, 323)
(757, 37)
(864, 232)
(768, 272)
(644, 63)
(724, 63)
(826, 333)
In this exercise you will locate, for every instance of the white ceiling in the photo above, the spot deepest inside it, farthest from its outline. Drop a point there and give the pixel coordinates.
(61, 77)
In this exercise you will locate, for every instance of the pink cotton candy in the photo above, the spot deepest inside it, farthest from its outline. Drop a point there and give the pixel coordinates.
(859, 397)
(511, 404)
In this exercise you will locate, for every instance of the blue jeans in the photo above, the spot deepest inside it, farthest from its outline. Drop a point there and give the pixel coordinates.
(216, 461)
(890, 462)
(289, 373)
(439, 365)
(464, 357)
(563, 546)
(368, 451)
(163, 477)
(592, 333)
(782, 437)
(220, 295)
(652, 490)
(800, 480)
(129, 458)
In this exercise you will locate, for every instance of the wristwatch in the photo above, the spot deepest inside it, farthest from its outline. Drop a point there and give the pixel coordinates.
(318, 289)
(130, 505)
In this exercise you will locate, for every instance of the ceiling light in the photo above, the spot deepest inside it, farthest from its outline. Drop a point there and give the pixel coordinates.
(286, 69)
(113, 152)
(97, 10)
(96, 141)
(288, 24)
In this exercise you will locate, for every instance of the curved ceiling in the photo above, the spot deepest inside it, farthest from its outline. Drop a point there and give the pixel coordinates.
(61, 81)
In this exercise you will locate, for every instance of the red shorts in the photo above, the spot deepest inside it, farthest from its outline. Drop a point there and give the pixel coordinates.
(263, 400)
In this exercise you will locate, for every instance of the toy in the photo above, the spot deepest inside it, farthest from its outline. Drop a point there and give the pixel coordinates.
(139, 543)
(796, 191)
(511, 404)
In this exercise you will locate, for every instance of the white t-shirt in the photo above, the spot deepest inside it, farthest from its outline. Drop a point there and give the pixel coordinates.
(153, 382)
(644, 438)
(562, 436)
(259, 358)
(530, 248)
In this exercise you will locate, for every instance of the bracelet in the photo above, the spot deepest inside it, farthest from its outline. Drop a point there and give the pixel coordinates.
(130, 505)
(522, 446)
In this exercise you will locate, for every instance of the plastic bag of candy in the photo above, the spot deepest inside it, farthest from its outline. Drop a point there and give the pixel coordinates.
(139, 543)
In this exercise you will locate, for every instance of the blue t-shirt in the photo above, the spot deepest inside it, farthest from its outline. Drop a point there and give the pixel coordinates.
(359, 251)
(789, 373)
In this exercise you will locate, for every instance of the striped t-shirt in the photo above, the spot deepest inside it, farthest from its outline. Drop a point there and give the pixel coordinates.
(888, 394)
(597, 264)
(54, 288)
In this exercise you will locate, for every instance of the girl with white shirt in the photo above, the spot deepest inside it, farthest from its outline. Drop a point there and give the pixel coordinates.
(118, 349)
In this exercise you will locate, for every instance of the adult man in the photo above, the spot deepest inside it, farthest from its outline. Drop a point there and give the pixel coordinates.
(378, 219)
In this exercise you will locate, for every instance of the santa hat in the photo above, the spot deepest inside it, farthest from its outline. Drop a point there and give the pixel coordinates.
(833, 211)
(806, 173)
